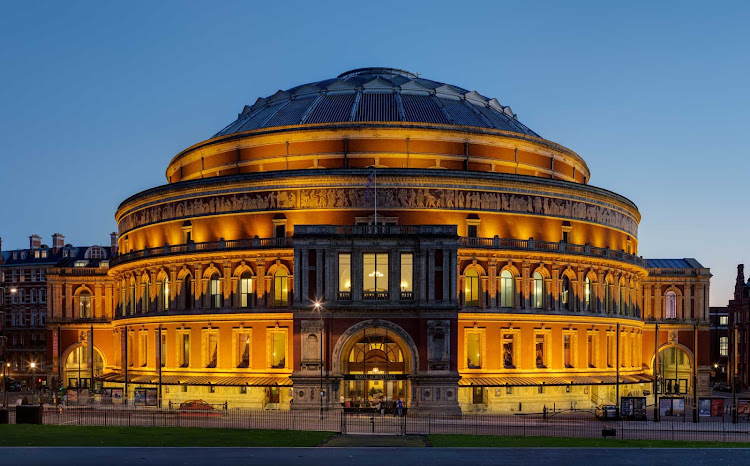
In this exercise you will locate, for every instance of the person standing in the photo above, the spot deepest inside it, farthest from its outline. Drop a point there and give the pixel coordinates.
(400, 407)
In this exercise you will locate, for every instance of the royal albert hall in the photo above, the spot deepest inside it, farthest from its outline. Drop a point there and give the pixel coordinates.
(380, 236)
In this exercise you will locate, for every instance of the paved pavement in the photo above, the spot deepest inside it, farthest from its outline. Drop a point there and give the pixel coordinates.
(368, 456)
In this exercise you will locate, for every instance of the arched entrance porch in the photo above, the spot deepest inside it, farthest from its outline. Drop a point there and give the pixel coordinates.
(675, 370)
(77, 365)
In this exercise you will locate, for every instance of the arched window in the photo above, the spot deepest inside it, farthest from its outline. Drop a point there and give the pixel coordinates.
(164, 295)
(507, 289)
(587, 294)
(146, 298)
(123, 296)
(215, 291)
(187, 292)
(84, 305)
(608, 298)
(471, 287)
(132, 301)
(671, 305)
(246, 289)
(621, 301)
(280, 288)
(565, 293)
(537, 291)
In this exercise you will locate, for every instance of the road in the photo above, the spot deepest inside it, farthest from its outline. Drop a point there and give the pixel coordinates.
(369, 456)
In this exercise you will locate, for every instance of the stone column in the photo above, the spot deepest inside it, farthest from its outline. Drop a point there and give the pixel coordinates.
(555, 289)
(525, 273)
(492, 282)
(688, 312)
(657, 301)
(228, 291)
(431, 275)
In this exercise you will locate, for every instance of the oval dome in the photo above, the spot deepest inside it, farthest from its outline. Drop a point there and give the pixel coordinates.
(376, 94)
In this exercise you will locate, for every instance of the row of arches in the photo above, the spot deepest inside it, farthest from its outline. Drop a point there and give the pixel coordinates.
(162, 291)
(566, 292)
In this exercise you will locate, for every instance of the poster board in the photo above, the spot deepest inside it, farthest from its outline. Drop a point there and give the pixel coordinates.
(704, 407)
(151, 398)
(117, 396)
(139, 397)
(633, 408)
(717, 407)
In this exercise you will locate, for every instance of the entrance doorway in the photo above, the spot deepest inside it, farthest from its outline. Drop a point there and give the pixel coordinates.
(374, 373)
(675, 371)
(477, 395)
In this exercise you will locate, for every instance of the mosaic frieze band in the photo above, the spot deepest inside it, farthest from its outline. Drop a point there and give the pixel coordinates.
(388, 198)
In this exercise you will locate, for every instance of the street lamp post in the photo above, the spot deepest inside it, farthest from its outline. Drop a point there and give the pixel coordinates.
(318, 307)
(33, 380)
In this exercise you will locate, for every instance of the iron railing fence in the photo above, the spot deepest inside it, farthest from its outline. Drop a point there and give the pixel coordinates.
(570, 424)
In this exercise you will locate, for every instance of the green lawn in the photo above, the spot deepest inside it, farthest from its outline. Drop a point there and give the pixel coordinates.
(449, 440)
(49, 435)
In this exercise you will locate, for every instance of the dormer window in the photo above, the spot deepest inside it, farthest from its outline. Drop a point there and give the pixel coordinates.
(472, 226)
(279, 226)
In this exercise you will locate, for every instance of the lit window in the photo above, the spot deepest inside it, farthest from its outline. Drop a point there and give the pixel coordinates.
(215, 286)
(568, 350)
(590, 350)
(473, 350)
(507, 289)
(143, 348)
(587, 294)
(471, 287)
(671, 305)
(280, 288)
(163, 350)
(345, 276)
(508, 355)
(278, 350)
(723, 320)
(610, 350)
(164, 295)
(724, 346)
(211, 356)
(407, 275)
(183, 355)
(243, 349)
(565, 293)
(537, 291)
(375, 276)
(246, 289)
(84, 305)
(187, 292)
(539, 347)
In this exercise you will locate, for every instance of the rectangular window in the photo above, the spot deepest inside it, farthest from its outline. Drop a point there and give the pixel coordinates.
(610, 350)
(278, 349)
(724, 346)
(508, 355)
(723, 320)
(246, 290)
(243, 349)
(539, 349)
(345, 276)
(163, 350)
(143, 349)
(590, 351)
(131, 349)
(212, 347)
(473, 350)
(567, 351)
(407, 276)
(375, 276)
(183, 358)
(472, 231)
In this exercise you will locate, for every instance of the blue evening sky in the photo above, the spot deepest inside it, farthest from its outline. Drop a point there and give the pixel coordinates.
(97, 97)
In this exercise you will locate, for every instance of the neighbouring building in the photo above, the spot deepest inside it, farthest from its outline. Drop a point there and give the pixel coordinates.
(739, 330)
(719, 343)
(381, 236)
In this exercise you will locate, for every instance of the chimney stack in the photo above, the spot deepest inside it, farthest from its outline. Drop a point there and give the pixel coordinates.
(113, 243)
(58, 241)
(35, 242)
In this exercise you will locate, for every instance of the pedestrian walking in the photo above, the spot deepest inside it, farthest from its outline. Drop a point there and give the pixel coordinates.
(400, 407)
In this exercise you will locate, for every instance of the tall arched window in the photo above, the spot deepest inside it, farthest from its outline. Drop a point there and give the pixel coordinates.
(565, 293)
(164, 295)
(84, 305)
(471, 287)
(671, 305)
(608, 298)
(146, 298)
(280, 288)
(587, 294)
(187, 292)
(215, 291)
(537, 291)
(123, 299)
(246, 289)
(132, 301)
(507, 289)
(621, 301)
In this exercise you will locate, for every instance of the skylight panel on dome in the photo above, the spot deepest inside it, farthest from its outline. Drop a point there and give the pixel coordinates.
(377, 84)
(279, 95)
(449, 92)
(422, 108)
(377, 107)
(332, 108)
(341, 85)
(461, 114)
(498, 120)
(306, 90)
(256, 121)
(291, 114)
(476, 97)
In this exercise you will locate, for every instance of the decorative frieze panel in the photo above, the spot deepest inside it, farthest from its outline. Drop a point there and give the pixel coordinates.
(388, 198)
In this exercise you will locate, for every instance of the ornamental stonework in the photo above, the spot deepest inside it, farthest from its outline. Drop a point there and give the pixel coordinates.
(388, 198)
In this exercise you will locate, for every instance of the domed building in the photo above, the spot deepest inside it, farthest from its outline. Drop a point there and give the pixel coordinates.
(382, 236)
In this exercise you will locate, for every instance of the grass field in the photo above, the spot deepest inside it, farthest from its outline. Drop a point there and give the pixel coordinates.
(489, 441)
(84, 436)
